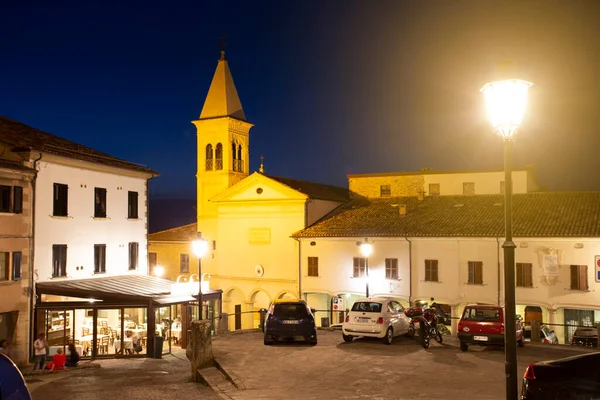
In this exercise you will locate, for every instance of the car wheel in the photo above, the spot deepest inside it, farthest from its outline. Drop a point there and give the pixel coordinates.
(389, 336)
(464, 346)
(267, 341)
(347, 338)
(438, 337)
(411, 330)
(521, 342)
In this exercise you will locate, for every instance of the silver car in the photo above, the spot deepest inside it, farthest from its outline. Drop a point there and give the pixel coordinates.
(377, 317)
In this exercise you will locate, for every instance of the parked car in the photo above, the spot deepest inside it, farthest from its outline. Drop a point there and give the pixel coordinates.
(576, 377)
(290, 319)
(585, 337)
(12, 384)
(484, 326)
(546, 334)
(378, 317)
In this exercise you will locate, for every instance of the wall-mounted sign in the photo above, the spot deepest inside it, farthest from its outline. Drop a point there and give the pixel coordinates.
(597, 263)
(338, 304)
(550, 264)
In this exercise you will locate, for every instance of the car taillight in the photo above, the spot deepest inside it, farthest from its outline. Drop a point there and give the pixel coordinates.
(347, 318)
(546, 341)
(502, 328)
(573, 340)
(529, 375)
(380, 320)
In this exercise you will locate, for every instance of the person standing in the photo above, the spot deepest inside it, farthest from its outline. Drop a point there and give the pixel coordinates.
(40, 346)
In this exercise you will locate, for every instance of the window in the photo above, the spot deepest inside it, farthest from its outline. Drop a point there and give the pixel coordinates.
(134, 248)
(313, 266)
(385, 190)
(214, 245)
(17, 199)
(367, 306)
(152, 260)
(4, 259)
(132, 205)
(524, 275)
(579, 279)
(434, 189)
(99, 258)
(475, 273)
(5, 199)
(481, 314)
(209, 157)
(59, 260)
(431, 270)
(468, 188)
(391, 268)
(61, 200)
(219, 157)
(16, 265)
(99, 203)
(359, 267)
(184, 263)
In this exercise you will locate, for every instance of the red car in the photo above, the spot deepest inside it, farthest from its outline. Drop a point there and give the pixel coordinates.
(484, 326)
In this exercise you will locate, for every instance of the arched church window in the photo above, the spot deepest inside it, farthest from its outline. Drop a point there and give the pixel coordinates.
(209, 157)
(219, 156)
(239, 159)
(233, 156)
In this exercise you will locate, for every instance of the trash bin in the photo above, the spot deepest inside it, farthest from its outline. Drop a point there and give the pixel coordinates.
(158, 346)
(263, 315)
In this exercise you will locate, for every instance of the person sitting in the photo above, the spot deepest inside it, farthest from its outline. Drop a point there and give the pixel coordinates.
(58, 361)
(73, 359)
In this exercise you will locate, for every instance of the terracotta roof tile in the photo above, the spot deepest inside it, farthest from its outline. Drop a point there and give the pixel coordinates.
(20, 135)
(547, 214)
(317, 191)
(183, 233)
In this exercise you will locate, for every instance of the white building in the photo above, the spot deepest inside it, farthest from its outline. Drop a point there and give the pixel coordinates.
(449, 246)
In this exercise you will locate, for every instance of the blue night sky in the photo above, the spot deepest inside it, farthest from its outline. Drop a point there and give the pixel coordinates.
(333, 87)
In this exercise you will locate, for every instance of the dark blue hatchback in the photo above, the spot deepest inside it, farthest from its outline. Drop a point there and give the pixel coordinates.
(12, 384)
(290, 319)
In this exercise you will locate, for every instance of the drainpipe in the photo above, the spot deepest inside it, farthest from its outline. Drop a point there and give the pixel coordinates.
(299, 267)
(409, 270)
(498, 259)
(32, 322)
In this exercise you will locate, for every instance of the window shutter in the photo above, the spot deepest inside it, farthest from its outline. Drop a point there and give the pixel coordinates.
(16, 266)
(471, 272)
(17, 199)
(574, 277)
(434, 275)
(583, 278)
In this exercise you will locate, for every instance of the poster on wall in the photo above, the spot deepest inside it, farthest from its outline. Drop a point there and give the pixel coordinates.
(597, 263)
(550, 264)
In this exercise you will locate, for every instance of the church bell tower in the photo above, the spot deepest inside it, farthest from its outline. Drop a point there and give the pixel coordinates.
(223, 136)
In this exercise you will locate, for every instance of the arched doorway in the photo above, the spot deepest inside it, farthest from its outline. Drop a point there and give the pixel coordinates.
(259, 299)
(232, 304)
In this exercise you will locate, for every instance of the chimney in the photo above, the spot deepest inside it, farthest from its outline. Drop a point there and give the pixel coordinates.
(402, 209)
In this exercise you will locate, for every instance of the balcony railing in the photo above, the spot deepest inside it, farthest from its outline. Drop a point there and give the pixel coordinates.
(219, 164)
(209, 164)
(238, 165)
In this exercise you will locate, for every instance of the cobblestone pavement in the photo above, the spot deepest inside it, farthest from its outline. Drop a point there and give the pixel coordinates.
(130, 379)
(368, 369)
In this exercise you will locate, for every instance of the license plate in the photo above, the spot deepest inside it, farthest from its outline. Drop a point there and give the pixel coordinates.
(290, 321)
(364, 320)
(481, 338)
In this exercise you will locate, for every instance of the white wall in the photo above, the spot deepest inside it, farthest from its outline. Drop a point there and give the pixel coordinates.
(80, 231)
(336, 254)
(316, 209)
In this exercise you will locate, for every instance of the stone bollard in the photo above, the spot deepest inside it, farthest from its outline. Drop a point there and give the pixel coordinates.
(536, 335)
(199, 349)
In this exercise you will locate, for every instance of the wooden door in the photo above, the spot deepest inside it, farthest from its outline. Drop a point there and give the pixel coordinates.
(238, 317)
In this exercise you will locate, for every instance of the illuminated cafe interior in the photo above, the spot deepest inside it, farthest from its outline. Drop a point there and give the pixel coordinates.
(118, 316)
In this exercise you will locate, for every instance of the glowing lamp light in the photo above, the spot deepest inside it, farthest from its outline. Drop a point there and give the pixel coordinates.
(159, 271)
(200, 247)
(366, 249)
(506, 102)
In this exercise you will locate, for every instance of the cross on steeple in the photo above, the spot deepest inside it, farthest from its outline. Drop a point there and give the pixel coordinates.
(222, 44)
(262, 164)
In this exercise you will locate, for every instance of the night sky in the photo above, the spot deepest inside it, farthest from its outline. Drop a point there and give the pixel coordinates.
(333, 87)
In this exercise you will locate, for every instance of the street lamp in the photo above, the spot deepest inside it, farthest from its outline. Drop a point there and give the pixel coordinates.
(366, 249)
(200, 248)
(506, 102)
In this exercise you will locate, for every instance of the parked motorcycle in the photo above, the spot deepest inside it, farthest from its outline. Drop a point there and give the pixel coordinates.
(426, 321)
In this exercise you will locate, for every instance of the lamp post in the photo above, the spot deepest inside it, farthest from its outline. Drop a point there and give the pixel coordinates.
(200, 247)
(366, 249)
(506, 101)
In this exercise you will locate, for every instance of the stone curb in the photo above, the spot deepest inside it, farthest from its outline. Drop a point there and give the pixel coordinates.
(217, 381)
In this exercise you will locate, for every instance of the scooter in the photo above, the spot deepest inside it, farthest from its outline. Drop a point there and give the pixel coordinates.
(428, 327)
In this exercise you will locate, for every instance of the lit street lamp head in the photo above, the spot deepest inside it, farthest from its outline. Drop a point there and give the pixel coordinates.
(506, 102)
(200, 247)
(366, 249)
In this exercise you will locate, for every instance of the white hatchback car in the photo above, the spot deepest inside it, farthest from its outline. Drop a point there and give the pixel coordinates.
(378, 317)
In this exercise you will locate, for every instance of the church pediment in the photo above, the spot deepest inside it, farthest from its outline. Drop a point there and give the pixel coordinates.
(258, 187)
